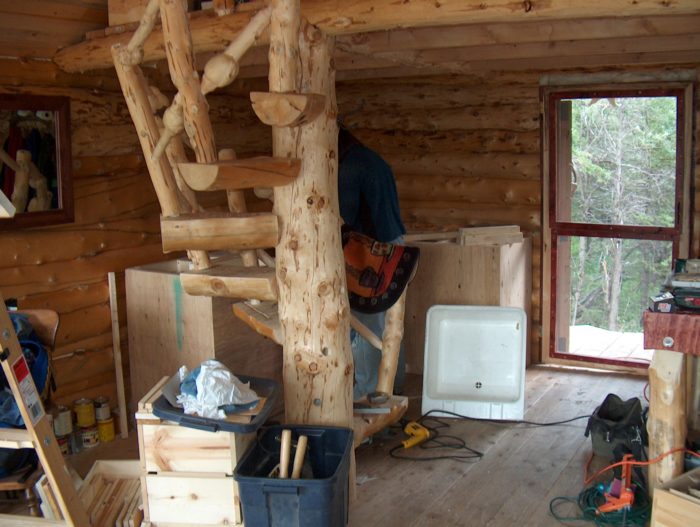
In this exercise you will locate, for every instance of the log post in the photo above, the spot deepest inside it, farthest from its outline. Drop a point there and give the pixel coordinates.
(313, 303)
(667, 421)
(391, 345)
(195, 109)
(135, 89)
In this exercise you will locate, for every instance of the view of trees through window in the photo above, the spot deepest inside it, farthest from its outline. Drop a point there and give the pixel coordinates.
(623, 173)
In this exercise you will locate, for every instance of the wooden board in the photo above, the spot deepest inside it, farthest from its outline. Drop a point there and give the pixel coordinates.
(172, 448)
(194, 499)
(169, 328)
(457, 275)
(683, 330)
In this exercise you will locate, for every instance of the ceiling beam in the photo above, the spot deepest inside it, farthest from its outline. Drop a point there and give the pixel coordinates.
(213, 33)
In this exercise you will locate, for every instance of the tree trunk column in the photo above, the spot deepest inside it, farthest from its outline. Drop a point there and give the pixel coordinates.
(313, 305)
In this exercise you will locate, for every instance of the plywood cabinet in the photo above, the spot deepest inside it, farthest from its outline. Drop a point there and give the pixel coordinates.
(454, 274)
(169, 328)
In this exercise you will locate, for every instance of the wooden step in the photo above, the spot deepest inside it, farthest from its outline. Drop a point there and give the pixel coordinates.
(262, 317)
(219, 231)
(232, 281)
(366, 425)
(240, 174)
(287, 109)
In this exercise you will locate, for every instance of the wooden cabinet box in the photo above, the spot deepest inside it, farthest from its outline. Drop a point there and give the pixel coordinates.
(187, 474)
(454, 274)
(169, 328)
(673, 506)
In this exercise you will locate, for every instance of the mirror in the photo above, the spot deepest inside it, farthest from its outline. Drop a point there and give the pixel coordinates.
(35, 160)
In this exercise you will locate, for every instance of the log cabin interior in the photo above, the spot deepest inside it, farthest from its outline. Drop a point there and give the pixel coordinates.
(195, 216)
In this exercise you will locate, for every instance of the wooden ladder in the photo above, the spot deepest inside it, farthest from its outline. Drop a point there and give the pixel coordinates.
(297, 119)
(39, 430)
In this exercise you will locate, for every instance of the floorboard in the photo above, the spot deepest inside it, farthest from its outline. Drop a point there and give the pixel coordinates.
(523, 467)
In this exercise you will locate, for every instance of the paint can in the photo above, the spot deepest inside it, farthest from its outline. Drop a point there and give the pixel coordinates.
(102, 410)
(84, 412)
(64, 444)
(105, 429)
(62, 421)
(89, 436)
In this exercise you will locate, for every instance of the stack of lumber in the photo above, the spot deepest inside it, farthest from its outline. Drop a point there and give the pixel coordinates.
(491, 235)
(497, 235)
(111, 494)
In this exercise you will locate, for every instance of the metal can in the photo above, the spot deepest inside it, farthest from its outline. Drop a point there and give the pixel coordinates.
(62, 421)
(105, 430)
(84, 412)
(89, 436)
(102, 410)
(64, 444)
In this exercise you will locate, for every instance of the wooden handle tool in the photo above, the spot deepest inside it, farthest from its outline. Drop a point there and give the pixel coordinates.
(285, 452)
(299, 456)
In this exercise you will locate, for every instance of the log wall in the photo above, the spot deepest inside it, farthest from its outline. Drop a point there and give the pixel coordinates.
(465, 152)
(116, 219)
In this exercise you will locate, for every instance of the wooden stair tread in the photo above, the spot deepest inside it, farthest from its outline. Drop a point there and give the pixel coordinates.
(238, 174)
(366, 425)
(216, 231)
(232, 281)
(263, 318)
(287, 109)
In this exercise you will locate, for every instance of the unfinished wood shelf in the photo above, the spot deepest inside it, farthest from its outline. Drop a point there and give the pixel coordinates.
(240, 174)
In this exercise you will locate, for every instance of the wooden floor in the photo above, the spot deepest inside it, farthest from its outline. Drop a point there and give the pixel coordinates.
(523, 468)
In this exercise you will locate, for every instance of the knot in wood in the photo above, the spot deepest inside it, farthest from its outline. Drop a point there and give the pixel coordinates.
(527, 6)
(313, 367)
(297, 357)
(348, 369)
(324, 289)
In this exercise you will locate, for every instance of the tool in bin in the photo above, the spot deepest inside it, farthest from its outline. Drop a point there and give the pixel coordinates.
(621, 492)
(418, 434)
(285, 452)
(299, 456)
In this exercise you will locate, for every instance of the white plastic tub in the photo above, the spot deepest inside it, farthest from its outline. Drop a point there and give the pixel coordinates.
(475, 361)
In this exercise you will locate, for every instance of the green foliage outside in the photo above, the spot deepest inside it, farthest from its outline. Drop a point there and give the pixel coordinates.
(623, 163)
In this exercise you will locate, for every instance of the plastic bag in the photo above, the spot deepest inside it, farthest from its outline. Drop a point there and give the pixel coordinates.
(211, 389)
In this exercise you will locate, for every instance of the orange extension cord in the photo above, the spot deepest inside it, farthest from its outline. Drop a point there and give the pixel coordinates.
(587, 479)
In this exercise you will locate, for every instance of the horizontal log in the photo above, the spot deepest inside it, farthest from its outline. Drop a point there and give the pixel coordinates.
(232, 281)
(478, 190)
(467, 164)
(506, 117)
(241, 173)
(455, 213)
(388, 142)
(217, 232)
(287, 109)
(212, 33)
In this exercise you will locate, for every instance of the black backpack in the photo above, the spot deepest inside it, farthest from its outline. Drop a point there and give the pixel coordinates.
(617, 423)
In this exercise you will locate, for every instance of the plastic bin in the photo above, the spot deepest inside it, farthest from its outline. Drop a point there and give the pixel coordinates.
(263, 387)
(318, 502)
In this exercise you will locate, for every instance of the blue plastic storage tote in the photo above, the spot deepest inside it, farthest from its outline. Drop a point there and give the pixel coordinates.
(318, 502)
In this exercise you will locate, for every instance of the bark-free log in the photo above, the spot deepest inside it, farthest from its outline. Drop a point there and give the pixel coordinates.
(232, 281)
(391, 345)
(219, 232)
(241, 173)
(667, 424)
(313, 304)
